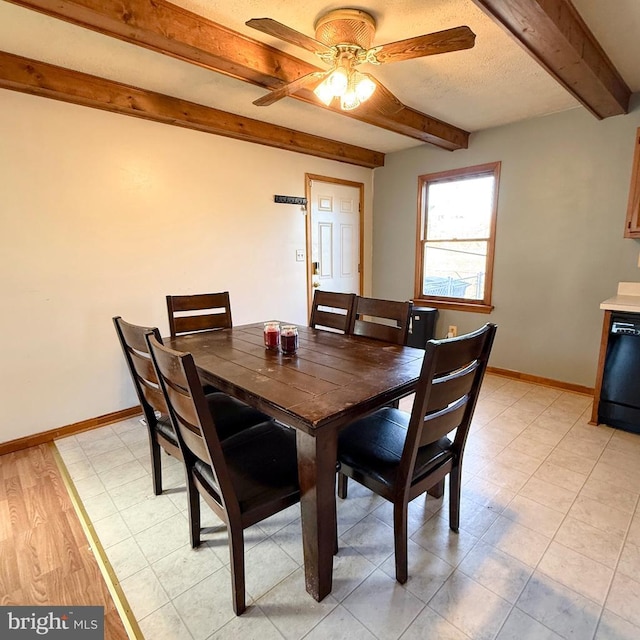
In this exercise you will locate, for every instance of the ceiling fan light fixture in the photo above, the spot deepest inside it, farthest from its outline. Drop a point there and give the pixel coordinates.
(338, 81)
(365, 86)
(324, 92)
(349, 101)
(352, 87)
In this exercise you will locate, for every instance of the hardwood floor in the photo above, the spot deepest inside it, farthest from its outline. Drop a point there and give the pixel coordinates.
(45, 558)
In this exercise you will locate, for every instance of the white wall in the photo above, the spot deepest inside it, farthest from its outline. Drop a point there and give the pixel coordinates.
(104, 215)
(559, 246)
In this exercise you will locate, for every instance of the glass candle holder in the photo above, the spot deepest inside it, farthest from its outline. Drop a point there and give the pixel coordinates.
(289, 339)
(272, 335)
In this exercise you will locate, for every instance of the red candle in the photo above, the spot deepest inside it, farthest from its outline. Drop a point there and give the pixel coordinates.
(271, 335)
(289, 339)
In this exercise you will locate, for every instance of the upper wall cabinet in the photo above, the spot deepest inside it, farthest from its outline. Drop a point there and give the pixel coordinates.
(632, 226)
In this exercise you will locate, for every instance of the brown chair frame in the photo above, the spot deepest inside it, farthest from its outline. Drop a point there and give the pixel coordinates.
(445, 400)
(366, 310)
(199, 441)
(219, 318)
(136, 353)
(322, 317)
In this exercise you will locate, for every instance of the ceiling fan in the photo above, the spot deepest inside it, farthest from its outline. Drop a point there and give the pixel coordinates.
(343, 39)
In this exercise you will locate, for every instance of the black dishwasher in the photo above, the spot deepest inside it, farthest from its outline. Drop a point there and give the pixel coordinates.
(620, 396)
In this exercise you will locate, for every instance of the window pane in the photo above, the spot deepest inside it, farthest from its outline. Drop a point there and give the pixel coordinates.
(455, 269)
(460, 208)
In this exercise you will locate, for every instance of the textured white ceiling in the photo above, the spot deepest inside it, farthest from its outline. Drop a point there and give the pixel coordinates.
(492, 84)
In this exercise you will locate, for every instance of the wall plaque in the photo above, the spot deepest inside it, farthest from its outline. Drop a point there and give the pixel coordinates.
(290, 200)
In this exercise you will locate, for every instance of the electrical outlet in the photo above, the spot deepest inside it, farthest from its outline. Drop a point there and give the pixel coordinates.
(300, 255)
(453, 331)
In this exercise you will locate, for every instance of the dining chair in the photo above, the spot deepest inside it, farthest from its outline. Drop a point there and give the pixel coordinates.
(213, 312)
(386, 320)
(244, 479)
(156, 416)
(332, 310)
(233, 414)
(400, 455)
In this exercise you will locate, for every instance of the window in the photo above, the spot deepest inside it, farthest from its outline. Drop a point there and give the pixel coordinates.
(456, 236)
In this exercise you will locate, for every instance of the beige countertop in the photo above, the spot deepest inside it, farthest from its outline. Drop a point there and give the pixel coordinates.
(627, 298)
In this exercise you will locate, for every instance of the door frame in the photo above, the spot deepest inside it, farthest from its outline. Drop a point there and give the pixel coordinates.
(309, 178)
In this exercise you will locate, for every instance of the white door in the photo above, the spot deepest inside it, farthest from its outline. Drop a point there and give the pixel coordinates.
(335, 235)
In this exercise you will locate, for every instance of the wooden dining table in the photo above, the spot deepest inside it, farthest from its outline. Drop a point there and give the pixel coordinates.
(332, 380)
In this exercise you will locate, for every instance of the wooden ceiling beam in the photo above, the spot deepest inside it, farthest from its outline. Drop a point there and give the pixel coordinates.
(42, 79)
(174, 31)
(555, 35)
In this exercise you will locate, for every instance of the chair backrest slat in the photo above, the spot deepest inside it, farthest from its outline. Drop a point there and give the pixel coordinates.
(330, 320)
(184, 408)
(142, 365)
(203, 322)
(459, 353)
(214, 308)
(450, 388)
(386, 320)
(153, 395)
(377, 331)
(332, 310)
(439, 424)
(194, 442)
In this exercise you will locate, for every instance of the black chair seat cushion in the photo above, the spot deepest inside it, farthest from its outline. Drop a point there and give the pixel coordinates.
(231, 415)
(164, 426)
(373, 447)
(262, 465)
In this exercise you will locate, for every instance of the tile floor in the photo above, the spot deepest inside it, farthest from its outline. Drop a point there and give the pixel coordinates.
(549, 541)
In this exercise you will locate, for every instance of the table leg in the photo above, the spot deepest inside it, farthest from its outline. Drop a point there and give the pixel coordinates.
(317, 474)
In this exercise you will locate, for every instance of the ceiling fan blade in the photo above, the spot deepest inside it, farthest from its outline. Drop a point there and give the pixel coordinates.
(383, 100)
(274, 28)
(310, 81)
(427, 45)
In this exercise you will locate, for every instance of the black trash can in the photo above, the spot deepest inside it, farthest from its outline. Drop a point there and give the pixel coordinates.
(422, 326)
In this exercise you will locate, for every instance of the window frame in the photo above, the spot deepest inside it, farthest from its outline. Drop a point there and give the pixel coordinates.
(449, 302)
